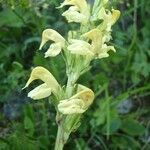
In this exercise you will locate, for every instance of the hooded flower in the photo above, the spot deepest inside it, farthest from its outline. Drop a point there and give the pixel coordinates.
(80, 47)
(99, 48)
(108, 17)
(55, 48)
(96, 48)
(95, 35)
(77, 12)
(49, 86)
(78, 103)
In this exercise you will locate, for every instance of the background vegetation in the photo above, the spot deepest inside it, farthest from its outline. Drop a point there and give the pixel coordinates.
(119, 118)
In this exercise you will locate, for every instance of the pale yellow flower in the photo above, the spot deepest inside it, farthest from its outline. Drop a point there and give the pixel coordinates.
(78, 11)
(108, 17)
(80, 47)
(56, 47)
(104, 51)
(99, 48)
(72, 15)
(94, 46)
(95, 35)
(97, 7)
(78, 103)
(44, 90)
(40, 92)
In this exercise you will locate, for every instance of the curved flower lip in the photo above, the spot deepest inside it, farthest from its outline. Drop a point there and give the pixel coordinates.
(108, 18)
(80, 47)
(115, 15)
(40, 92)
(93, 34)
(78, 103)
(104, 51)
(55, 48)
(96, 36)
(77, 12)
(74, 16)
(50, 83)
(99, 48)
(81, 4)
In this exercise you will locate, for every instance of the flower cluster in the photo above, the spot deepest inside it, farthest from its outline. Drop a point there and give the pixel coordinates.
(90, 42)
(78, 103)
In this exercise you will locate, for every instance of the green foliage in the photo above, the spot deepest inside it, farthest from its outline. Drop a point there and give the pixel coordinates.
(124, 75)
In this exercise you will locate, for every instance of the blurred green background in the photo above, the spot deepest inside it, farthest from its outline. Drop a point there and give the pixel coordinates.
(119, 118)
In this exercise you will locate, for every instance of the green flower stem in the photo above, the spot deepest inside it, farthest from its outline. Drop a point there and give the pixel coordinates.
(72, 78)
(62, 138)
(62, 135)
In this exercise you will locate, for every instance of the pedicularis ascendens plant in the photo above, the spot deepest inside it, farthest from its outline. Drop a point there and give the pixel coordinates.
(82, 46)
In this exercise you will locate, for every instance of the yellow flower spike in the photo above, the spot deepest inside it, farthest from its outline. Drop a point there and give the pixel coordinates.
(78, 103)
(80, 47)
(50, 83)
(78, 11)
(59, 42)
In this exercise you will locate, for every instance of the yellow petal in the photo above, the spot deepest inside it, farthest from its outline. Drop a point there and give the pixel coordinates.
(52, 35)
(106, 37)
(96, 36)
(115, 15)
(40, 92)
(53, 50)
(106, 48)
(80, 47)
(102, 13)
(78, 12)
(103, 55)
(74, 16)
(81, 4)
(86, 94)
(44, 75)
(78, 103)
(109, 18)
(71, 106)
(103, 52)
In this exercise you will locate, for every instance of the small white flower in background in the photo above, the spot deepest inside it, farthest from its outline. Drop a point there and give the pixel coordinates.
(78, 103)
(56, 47)
(44, 90)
